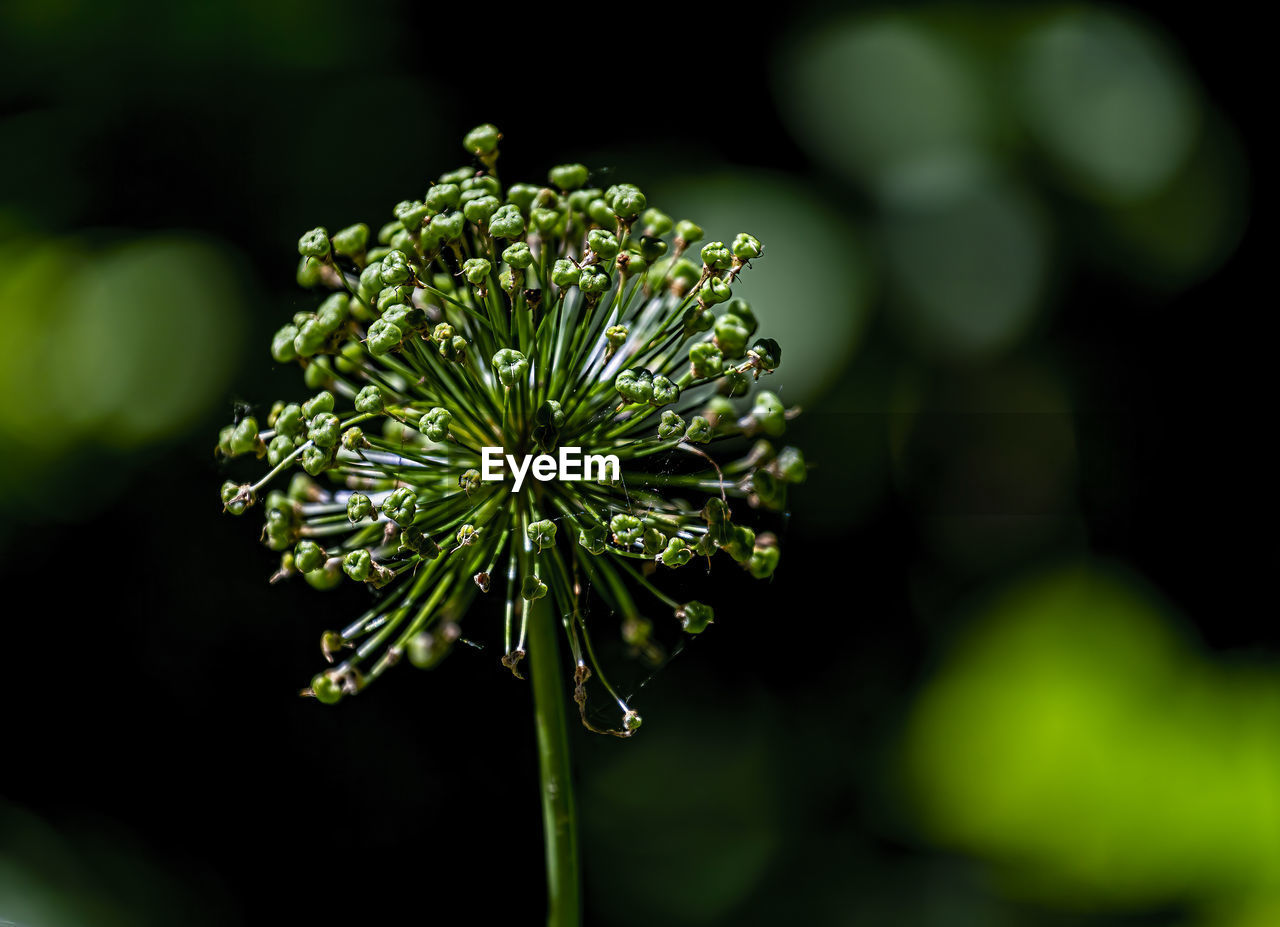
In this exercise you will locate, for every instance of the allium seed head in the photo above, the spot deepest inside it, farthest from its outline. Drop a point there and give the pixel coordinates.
(553, 333)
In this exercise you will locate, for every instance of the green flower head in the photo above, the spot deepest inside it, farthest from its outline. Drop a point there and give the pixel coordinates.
(522, 389)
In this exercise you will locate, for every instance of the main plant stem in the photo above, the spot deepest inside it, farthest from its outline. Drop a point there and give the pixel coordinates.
(559, 818)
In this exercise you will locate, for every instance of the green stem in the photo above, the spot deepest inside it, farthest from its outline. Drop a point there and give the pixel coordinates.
(564, 892)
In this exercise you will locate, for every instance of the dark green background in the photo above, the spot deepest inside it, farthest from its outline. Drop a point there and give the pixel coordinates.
(155, 764)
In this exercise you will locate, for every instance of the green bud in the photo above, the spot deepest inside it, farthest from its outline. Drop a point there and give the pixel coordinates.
(546, 220)
(405, 317)
(511, 365)
(735, 383)
(350, 357)
(311, 338)
(742, 309)
(282, 349)
(592, 537)
(635, 385)
(745, 247)
(542, 534)
(627, 529)
(411, 214)
(593, 282)
(655, 223)
(359, 507)
(370, 282)
(314, 243)
(731, 336)
(279, 448)
(482, 140)
(326, 689)
(652, 248)
(320, 402)
(483, 184)
(481, 210)
(769, 490)
(697, 319)
(352, 240)
(522, 195)
(694, 617)
(353, 439)
(769, 414)
(401, 506)
(741, 543)
(565, 273)
(369, 399)
(518, 255)
(790, 465)
(383, 337)
(291, 422)
(233, 500)
(224, 440)
(677, 553)
(476, 270)
(568, 176)
(628, 202)
(435, 424)
(415, 539)
(333, 312)
(325, 430)
(705, 546)
(310, 272)
(699, 431)
(358, 564)
(653, 542)
(604, 244)
(705, 360)
(315, 459)
(716, 256)
(715, 291)
(688, 232)
(765, 354)
(443, 196)
(327, 577)
(684, 274)
(532, 588)
(665, 391)
(389, 231)
(598, 211)
(549, 414)
(448, 226)
(671, 426)
(763, 561)
(244, 437)
(507, 222)
(467, 535)
(469, 480)
(308, 556)
(395, 268)
(616, 335)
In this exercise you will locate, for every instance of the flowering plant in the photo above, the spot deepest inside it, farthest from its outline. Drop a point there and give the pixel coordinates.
(487, 323)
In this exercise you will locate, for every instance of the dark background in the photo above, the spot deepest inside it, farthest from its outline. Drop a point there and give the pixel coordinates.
(155, 764)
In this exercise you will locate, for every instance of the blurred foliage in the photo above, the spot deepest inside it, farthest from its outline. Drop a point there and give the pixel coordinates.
(109, 348)
(1079, 741)
(979, 220)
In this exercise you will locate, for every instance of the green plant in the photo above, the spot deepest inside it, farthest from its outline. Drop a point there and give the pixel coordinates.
(523, 320)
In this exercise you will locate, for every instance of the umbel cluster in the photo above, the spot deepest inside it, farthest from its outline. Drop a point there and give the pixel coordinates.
(525, 318)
